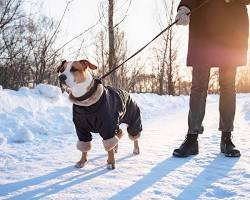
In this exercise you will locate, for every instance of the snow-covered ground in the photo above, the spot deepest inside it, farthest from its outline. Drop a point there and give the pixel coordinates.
(37, 152)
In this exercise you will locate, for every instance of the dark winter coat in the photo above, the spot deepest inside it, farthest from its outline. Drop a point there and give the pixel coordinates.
(218, 33)
(114, 107)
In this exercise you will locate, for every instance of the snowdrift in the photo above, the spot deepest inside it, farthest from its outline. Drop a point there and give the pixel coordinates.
(29, 113)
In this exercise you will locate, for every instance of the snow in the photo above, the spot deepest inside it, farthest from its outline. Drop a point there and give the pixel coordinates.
(30, 113)
(246, 108)
(49, 91)
(37, 152)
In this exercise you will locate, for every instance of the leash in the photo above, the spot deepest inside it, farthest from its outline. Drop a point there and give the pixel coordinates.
(145, 46)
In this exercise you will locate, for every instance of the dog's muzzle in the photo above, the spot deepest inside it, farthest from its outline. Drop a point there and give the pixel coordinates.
(62, 79)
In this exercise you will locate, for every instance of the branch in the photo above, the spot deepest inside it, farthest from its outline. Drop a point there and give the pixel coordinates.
(126, 14)
(53, 35)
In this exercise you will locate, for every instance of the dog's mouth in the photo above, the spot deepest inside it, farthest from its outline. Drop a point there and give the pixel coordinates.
(62, 80)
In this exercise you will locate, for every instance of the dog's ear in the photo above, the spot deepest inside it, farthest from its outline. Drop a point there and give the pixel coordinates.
(88, 64)
(61, 66)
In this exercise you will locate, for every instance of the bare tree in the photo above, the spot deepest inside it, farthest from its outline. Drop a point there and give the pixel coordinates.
(111, 50)
(242, 80)
(166, 55)
(9, 12)
(43, 56)
(26, 46)
(111, 40)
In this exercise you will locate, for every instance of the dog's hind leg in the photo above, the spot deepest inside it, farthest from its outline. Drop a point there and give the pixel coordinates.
(135, 138)
(111, 160)
(136, 150)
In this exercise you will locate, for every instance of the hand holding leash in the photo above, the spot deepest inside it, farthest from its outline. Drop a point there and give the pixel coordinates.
(183, 16)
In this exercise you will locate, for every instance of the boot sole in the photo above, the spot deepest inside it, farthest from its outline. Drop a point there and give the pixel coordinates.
(237, 155)
(175, 154)
(232, 155)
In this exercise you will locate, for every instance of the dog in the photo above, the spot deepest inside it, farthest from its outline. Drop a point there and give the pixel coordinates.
(98, 109)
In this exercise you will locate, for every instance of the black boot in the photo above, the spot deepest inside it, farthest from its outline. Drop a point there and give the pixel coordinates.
(227, 147)
(189, 147)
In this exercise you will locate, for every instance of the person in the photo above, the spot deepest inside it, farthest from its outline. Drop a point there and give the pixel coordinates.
(218, 37)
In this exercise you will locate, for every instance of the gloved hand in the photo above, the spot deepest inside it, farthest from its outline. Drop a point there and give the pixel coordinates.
(183, 16)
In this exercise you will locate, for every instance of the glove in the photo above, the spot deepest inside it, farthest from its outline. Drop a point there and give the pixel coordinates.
(183, 16)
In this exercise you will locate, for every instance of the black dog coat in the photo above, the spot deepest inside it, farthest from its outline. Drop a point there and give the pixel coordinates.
(104, 117)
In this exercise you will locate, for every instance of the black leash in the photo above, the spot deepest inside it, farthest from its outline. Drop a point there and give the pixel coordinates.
(141, 49)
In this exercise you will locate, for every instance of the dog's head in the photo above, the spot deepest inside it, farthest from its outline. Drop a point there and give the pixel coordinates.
(75, 75)
(74, 72)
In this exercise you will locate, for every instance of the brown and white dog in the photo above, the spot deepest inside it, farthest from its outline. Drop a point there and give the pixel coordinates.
(98, 108)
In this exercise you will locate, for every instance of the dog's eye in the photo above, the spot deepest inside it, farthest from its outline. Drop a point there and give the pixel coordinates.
(73, 70)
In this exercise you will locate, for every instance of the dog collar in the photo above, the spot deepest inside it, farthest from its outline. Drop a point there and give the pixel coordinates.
(90, 92)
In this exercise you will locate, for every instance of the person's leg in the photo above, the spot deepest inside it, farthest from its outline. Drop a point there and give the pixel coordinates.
(227, 98)
(198, 96)
(227, 110)
(197, 106)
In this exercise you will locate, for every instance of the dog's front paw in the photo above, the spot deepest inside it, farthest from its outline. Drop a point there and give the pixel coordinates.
(81, 164)
(136, 151)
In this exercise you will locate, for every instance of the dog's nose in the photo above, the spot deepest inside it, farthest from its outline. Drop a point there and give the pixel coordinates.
(62, 78)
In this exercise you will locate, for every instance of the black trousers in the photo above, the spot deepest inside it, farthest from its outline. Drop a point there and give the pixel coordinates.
(198, 96)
